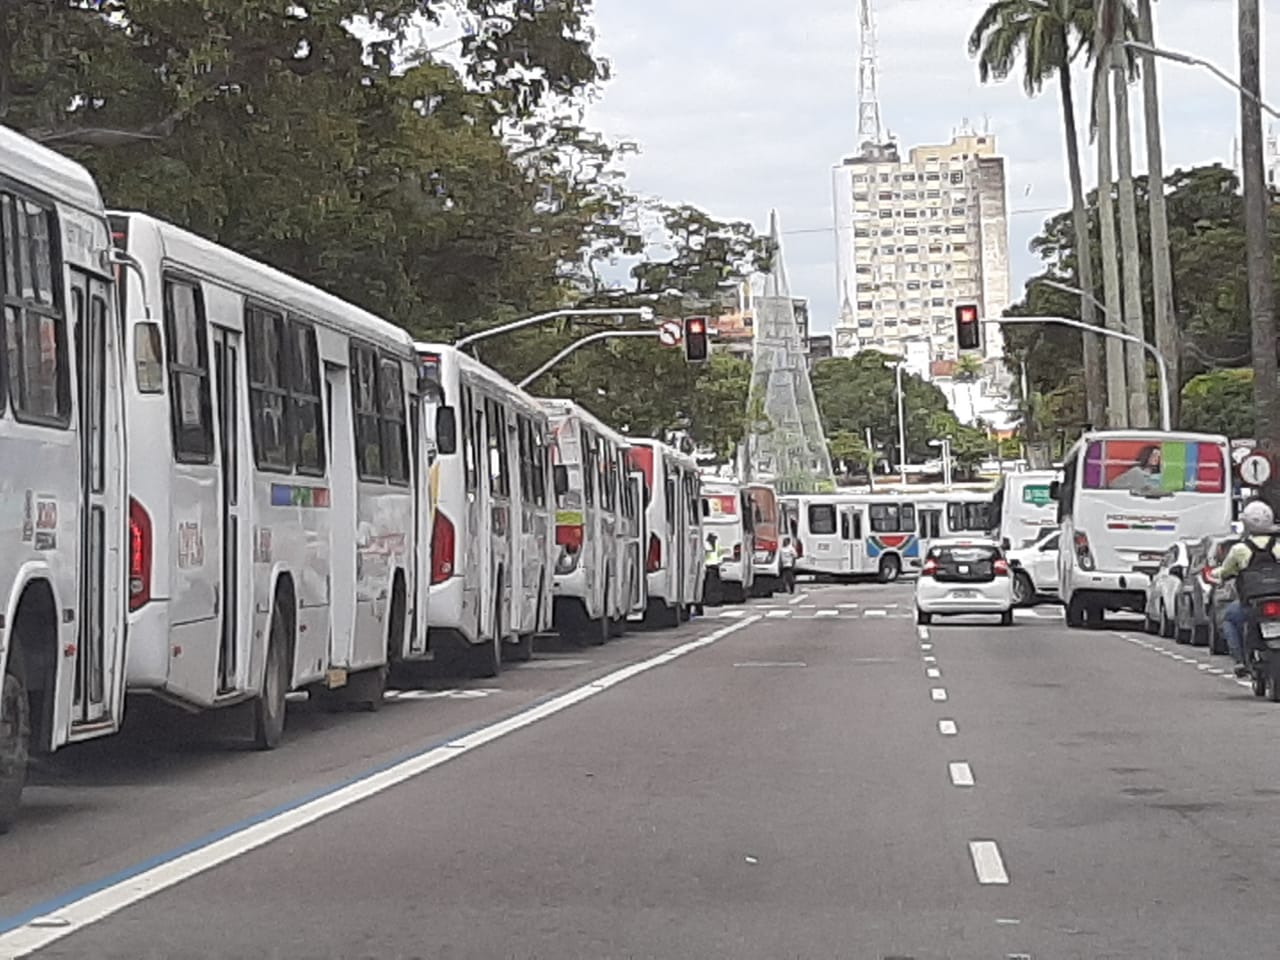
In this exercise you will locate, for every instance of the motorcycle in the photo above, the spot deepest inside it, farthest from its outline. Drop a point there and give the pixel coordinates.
(1262, 645)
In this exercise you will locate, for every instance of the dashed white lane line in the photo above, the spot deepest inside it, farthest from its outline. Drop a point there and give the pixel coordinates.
(961, 774)
(926, 647)
(948, 728)
(933, 673)
(922, 632)
(798, 598)
(988, 865)
(875, 613)
(775, 614)
(733, 614)
(136, 885)
(939, 694)
(930, 658)
(828, 613)
(847, 606)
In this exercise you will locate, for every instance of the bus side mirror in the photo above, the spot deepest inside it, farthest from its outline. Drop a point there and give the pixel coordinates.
(446, 431)
(1055, 489)
(560, 479)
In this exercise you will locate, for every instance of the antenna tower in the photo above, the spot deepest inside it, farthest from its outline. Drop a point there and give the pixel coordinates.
(870, 129)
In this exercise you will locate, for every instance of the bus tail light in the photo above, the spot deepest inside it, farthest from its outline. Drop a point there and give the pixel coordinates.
(653, 561)
(1084, 556)
(442, 547)
(569, 536)
(1270, 609)
(139, 555)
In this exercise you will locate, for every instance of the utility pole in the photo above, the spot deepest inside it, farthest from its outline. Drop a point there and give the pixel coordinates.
(1258, 261)
(1166, 327)
(1117, 400)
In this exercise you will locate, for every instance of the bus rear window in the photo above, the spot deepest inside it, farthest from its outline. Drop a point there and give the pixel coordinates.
(716, 505)
(1154, 467)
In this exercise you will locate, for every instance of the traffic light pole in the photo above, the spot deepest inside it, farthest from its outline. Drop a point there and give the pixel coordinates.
(644, 313)
(593, 338)
(1162, 370)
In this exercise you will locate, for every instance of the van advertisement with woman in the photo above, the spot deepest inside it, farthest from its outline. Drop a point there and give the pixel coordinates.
(1124, 498)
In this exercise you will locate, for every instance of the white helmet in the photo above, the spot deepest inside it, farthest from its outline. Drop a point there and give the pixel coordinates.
(1257, 517)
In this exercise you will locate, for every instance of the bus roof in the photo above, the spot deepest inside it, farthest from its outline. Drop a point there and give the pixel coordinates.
(1154, 435)
(48, 171)
(668, 451)
(470, 365)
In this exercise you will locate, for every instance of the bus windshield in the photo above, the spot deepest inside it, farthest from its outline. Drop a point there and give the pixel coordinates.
(1149, 467)
(719, 506)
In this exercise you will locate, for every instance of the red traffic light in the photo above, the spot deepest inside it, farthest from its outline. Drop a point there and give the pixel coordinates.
(696, 347)
(968, 329)
(697, 325)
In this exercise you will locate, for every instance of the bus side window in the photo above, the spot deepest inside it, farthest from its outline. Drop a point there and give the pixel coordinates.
(468, 439)
(191, 412)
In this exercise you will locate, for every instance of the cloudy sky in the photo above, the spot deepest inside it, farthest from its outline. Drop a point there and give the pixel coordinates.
(744, 105)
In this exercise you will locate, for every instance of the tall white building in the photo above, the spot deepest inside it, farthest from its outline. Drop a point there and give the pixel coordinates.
(914, 238)
(1270, 158)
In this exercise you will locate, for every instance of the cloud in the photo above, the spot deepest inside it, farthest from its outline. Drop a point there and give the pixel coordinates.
(744, 105)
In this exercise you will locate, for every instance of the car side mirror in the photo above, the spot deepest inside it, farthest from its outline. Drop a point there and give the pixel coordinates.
(446, 431)
(1055, 489)
(560, 479)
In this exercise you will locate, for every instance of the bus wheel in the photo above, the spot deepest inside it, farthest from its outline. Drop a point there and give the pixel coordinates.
(486, 658)
(596, 633)
(890, 569)
(15, 737)
(269, 707)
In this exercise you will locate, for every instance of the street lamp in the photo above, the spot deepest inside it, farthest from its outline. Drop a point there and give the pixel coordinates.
(644, 313)
(945, 444)
(1162, 369)
(1189, 60)
(1067, 288)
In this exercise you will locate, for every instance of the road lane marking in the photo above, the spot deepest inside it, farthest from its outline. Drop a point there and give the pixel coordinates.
(930, 658)
(771, 663)
(926, 647)
(775, 614)
(827, 613)
(62, 916)
(847, 606)
(948, 728)
(961, 774)
(923, 632)
(988, 865)
(798, 597)
(939, 694)
(733, 614)
(933, 673)
(875, 613)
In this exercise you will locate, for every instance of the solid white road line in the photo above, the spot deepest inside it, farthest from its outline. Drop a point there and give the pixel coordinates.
(933, 673)
(948, 728)
(961, 774)
(987, 862)
(939, 694)
(798, 598)
(75, 916)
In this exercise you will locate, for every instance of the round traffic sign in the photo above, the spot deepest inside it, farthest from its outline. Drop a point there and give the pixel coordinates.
(670, 333)
(1255, 470)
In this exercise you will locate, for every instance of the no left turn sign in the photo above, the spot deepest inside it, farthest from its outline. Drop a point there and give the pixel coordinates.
(669, 333)
(1255, 470)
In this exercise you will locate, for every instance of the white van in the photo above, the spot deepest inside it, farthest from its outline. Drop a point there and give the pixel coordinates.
(1124, 498)
(1022, 509)
(728, 513)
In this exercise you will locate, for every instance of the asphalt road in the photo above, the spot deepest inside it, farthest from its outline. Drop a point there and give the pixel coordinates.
(818, 778)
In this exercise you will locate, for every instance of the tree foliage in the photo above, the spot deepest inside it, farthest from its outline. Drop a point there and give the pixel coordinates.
(1220, 402)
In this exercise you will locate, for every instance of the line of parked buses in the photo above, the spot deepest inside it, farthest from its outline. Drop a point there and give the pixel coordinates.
(219, 485)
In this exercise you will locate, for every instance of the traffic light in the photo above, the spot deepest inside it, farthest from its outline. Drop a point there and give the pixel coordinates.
(968, 327)
(695, 339)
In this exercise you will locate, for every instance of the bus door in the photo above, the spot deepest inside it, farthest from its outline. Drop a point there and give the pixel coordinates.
(851, 537)
(425, 472)
(232, 522)
(497, 598)
(639, 537)
(930, 525)
(101, 576)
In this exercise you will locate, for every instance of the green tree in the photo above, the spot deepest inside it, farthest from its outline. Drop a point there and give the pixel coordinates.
(849, 453)
(1220, 402)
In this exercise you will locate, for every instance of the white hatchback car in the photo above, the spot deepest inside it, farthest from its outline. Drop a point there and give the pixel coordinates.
(965, 576)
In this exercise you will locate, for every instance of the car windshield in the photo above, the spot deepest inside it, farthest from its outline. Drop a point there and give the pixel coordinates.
(964, 554)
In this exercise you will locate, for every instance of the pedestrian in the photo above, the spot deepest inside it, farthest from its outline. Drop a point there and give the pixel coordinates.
(787, 565)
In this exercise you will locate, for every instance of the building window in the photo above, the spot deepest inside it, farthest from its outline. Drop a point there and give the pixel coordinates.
(862, 232)
(957, 211)
(886, 214)
(933, 194)
(864, 305)
(911, 231)
(937, 284)
(913, 284)
(909, 178)
(886, 194)
(887, 249)
(933, 177)
(862, 268)
(957, 177)
(910, 214)
(911, 249)
(937, 302)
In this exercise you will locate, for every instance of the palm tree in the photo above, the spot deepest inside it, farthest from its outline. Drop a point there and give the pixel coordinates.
(1047, 35)
(968, 367)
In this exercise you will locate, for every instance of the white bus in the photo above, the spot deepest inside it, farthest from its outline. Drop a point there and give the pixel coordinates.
(728, 512)
(597, 560)
(850, 535)
(492, 537)
(278, 502)
(674, 558)
(63, 493)
(1125, 497)
(1022, 510)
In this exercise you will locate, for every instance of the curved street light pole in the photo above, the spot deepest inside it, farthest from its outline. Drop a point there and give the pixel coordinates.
(602, 335)
(644, 313)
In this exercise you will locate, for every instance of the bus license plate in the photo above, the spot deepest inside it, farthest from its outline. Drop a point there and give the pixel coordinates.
(1270, 629)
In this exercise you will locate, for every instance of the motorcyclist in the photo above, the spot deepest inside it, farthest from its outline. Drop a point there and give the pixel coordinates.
(1260, 547)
